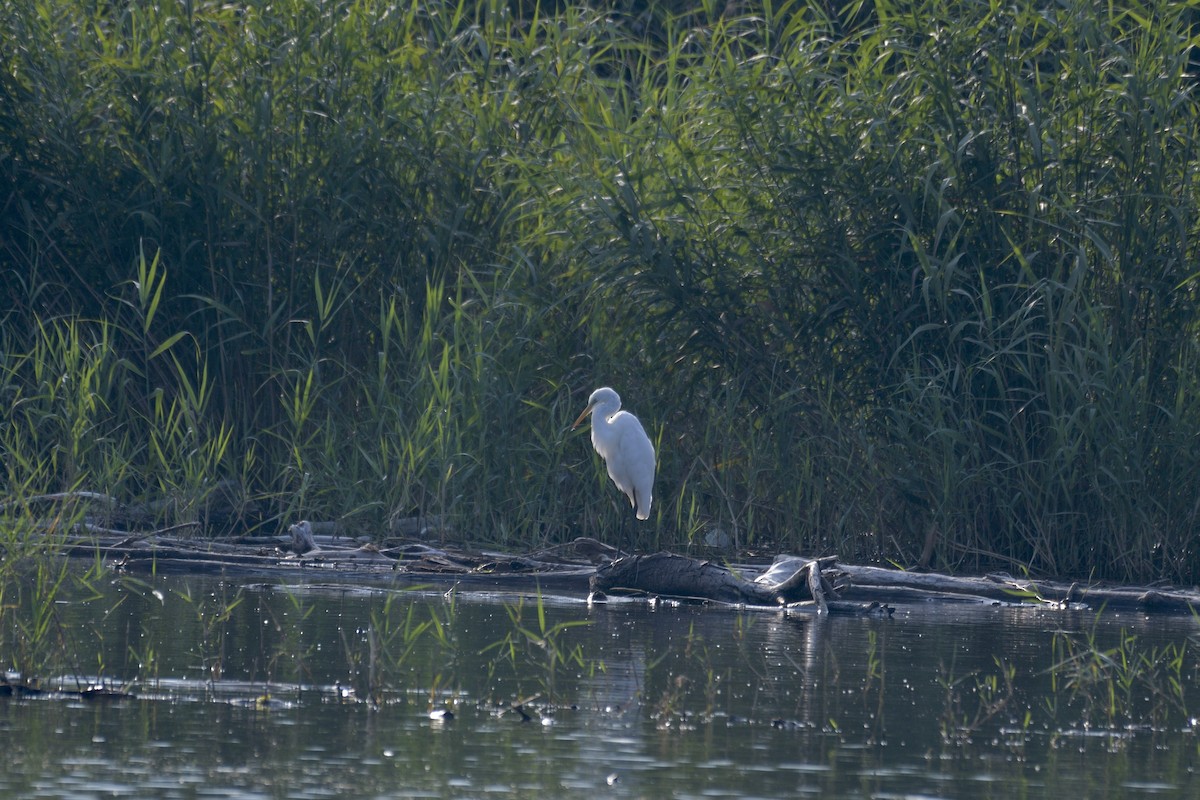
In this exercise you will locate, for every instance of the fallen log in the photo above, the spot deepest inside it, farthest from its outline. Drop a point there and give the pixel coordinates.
(791, 581)
(822, 584)
(898, 585)
(676, 576)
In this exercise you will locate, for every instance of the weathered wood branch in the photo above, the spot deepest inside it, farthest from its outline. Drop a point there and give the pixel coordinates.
(821, 585)
(898, 585)
(814, 588)
(791, 580)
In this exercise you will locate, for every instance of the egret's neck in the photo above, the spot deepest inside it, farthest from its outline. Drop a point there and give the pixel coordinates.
(604, 413)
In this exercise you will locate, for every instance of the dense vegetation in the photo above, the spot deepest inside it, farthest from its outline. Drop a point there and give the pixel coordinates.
(901, 281)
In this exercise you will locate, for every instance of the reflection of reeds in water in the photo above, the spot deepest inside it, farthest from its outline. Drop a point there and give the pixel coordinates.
(974, 700)
(670, 670)
(1124, 684)
(1107, 689)
(537, 654)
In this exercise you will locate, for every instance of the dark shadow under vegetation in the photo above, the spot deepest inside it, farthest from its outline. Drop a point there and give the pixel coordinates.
(904, 282)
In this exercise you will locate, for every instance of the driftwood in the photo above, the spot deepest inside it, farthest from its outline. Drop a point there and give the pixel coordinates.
(119, 535)
(302, 537)
(675, 576)
(791, 581)
(827, 585)
(353, 561)
(899, 586)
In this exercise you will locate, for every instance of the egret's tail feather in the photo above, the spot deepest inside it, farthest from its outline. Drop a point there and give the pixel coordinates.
(643, 512)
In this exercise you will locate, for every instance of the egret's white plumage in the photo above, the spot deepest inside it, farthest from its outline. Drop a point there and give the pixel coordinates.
(623, 444)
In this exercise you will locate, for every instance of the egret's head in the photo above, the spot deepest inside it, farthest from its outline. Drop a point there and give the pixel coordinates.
(603, 397)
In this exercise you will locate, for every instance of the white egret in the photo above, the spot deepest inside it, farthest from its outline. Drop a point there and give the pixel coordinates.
(623, 444)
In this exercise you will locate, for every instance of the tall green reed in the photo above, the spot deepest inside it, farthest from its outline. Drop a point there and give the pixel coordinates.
(905, 281)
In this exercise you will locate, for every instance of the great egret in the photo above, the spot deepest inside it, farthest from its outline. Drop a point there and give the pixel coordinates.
(623, 444)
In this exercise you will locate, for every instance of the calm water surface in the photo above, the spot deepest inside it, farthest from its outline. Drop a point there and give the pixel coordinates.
(309, 691)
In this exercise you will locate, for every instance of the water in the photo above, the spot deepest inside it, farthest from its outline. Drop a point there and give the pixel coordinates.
(307, 691)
